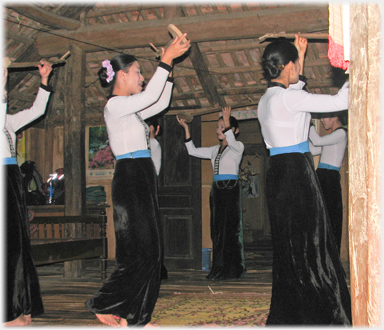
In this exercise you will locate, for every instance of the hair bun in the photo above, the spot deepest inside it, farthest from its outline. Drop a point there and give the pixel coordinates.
(103, 76)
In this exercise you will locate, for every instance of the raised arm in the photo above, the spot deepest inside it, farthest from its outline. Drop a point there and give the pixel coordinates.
(162, 103)
(184, 124)
(301, 44)
(233, 144)
(39, 106)
(301, 101)
(326, 140)
(204, 152)
(45, 69)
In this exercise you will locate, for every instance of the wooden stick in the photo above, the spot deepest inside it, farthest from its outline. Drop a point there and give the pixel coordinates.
(33, 64)
(208, 111)
(157, 51)
(292, 35)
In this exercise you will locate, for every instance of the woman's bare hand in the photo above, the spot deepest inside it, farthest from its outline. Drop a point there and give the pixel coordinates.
(301, 44)
(175, 49)
(45, 69)
(226, 115)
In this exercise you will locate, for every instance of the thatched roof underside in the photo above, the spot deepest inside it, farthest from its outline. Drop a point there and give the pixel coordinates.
(223, 67)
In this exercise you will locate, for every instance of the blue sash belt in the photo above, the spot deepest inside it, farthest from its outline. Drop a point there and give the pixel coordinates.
(328, 167)
(302, 148)
(10, 161)
(136, 154)
(220, 177)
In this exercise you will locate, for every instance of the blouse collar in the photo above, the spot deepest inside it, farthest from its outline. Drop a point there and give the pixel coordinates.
(275, 83)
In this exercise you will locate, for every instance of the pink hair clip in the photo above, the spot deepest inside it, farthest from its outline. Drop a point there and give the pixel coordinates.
(107, 64)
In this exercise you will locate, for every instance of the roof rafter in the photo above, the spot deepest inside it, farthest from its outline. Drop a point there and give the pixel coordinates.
(250, 24)
(45, 17)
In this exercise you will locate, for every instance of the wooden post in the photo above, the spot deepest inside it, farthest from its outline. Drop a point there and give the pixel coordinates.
(74, 148)
(364, 164)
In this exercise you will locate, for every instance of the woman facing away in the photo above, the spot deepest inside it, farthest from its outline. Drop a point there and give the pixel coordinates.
(331, 148)
(225, 197)
(129, 295)
(23, 297)
(309, 283)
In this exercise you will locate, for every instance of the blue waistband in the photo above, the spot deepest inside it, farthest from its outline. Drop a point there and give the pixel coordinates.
(328, 167)
(10, 161)
(136, 154)
(302, 148)
(220, 177)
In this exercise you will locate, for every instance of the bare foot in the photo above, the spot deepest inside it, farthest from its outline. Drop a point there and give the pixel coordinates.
(151, 325)
(123, 323)
(108, 319)
(20, 321)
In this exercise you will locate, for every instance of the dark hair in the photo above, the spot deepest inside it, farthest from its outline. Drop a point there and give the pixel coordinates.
(154, 122)
(276, 55)
(119, 62)
(232, 121)
(342, 116)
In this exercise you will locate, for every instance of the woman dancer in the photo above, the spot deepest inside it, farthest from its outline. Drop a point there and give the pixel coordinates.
(309, 285)
(129, 296)
(23, 298)
(225, 202)
(331, 148)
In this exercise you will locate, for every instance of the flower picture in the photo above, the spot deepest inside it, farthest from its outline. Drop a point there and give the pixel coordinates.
(100, 156)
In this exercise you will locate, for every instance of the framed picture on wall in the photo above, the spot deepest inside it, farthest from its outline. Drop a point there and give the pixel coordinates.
(100, 162)
(251, 187)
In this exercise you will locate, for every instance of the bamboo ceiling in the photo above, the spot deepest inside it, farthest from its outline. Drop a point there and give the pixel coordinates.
(223, 67)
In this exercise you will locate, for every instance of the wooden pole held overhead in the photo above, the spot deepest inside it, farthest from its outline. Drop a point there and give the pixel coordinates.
(292, 36)
(35, 64)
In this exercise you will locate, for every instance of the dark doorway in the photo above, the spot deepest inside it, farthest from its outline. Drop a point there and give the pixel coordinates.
(180, 196)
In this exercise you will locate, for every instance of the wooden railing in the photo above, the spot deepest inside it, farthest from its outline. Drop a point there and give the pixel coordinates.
(67, 238)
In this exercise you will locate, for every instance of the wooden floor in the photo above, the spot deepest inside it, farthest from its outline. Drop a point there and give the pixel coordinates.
(64, 298)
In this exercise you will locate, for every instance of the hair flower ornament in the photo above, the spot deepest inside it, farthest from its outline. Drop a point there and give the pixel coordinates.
(107, 64)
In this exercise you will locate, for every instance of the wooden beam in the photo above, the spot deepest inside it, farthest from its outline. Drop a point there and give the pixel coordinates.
(205, 78)
(171, 12)
(45, 17)
(364, 144)
(29, 54)
(74, 147)
(202, 71)
(248, 24)
(57, 82)
(18, 37)
(121, 10)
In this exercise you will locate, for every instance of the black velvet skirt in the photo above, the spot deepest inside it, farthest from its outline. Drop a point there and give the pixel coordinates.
(22, 284)
(226, 231)
(309, 283)
(132, 289)
(331, 188)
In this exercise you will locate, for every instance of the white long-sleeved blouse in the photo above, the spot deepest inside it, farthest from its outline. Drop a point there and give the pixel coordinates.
(14, 122)
(331, 146)
(126, 132)
(230, 158)
(284, 113)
